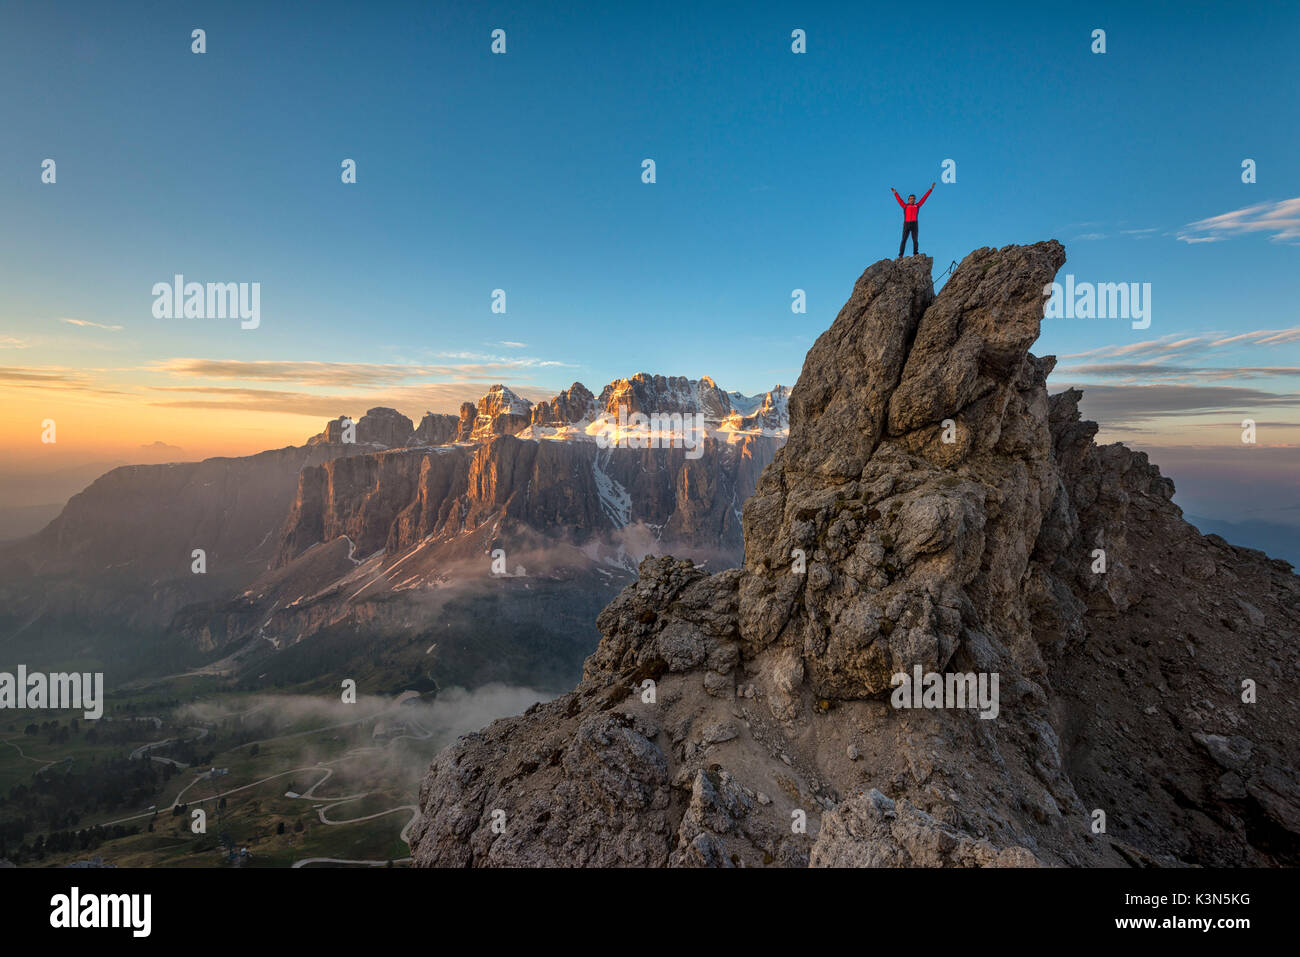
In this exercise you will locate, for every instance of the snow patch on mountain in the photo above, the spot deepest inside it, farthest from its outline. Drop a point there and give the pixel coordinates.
(614, 498)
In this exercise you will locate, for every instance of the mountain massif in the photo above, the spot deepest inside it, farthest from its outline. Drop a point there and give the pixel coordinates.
(935, 516)
(518, 515)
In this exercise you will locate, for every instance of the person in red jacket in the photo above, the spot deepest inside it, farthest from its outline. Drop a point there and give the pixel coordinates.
(910, 209)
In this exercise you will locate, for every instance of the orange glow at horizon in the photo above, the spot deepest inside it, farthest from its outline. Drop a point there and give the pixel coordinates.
(117, 426)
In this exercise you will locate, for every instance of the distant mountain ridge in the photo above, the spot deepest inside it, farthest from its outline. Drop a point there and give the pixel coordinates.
(433, 500)
(369, 517)
(575, 413)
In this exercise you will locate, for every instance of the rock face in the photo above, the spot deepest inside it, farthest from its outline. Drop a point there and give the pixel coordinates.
(500, 412)
(386, 529)
(120, 552)
(379, 427)
(572, 405)
(394, 500)
(771, 415)
(648, 393)
(436, 429)
(465, 426)
(934, 510)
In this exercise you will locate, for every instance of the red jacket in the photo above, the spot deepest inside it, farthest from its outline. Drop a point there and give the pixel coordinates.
(909, 209)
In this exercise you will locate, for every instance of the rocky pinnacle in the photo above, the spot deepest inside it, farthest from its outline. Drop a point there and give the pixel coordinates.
(934, 512)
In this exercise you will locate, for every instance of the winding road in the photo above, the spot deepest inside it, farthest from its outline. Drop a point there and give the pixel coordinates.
(308, 795)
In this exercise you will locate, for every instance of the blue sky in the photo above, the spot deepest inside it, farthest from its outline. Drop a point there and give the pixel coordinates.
(523, 172)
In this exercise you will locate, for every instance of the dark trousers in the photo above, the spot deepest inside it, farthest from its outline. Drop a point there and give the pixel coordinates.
(908, 228)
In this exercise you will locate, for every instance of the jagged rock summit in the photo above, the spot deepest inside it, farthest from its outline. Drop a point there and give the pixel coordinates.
(574, 414)
(933, 510)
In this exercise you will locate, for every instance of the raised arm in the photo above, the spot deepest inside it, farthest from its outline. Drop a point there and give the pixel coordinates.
(922, 200)
(897, 197)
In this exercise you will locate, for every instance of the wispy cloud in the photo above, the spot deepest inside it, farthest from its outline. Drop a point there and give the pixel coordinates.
(332, 388)
(86, 323)
(411, 399)
(1116, 406)
(21, 375)
(51, 377)
(1093, 231)
(1154, 370)
(1164, 347)
(1280, 220)
(1262, 337)
(517, 362)
(1181, 346)
(1174, 358)
(11, 342)
(345, 374)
